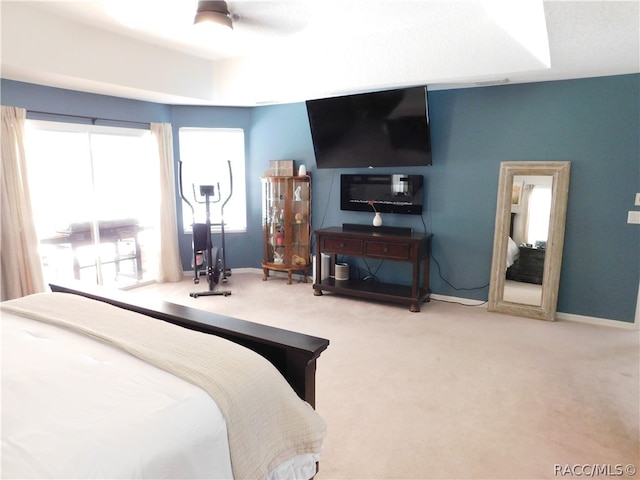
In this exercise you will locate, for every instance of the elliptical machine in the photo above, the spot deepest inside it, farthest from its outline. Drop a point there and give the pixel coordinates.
(205, 255)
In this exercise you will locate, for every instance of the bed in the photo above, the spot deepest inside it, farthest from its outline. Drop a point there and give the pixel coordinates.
(102, 384)
(512, 252)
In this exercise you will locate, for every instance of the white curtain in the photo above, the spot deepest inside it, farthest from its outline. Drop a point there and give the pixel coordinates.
(539, 214)
(525, 210)
(19, 259)
(169, 264)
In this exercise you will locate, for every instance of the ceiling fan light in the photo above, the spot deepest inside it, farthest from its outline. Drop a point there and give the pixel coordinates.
(213, 17)
(213, 12)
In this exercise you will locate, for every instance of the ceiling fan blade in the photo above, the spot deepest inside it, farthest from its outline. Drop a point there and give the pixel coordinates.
(272, 17)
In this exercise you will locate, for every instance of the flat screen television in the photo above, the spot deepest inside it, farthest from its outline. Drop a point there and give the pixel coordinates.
(395, 193)
(379, 129)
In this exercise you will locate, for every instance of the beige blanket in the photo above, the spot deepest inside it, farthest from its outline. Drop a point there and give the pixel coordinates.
(267, 422)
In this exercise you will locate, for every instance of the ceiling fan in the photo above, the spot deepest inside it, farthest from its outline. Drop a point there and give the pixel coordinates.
(215, 12)
(272, 17)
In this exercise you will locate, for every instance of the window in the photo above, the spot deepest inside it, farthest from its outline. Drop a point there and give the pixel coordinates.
(85, 176)
(539, 214)
(205, 153)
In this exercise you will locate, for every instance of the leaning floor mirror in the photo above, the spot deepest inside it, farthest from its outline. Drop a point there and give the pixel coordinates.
(529, 238)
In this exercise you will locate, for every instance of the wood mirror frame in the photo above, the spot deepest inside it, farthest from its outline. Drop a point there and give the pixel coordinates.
(559, 171)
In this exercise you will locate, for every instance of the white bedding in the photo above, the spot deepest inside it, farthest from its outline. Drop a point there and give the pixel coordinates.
(107, 412)
(512, 252)
(110, 415)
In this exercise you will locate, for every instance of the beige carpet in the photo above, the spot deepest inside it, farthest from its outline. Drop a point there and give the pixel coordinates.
(451, 391)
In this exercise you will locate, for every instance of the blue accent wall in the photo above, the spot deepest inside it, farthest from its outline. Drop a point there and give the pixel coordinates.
(594, 123)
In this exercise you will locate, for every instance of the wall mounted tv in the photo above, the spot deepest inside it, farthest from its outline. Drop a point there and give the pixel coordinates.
(390, 193)
(379, 129)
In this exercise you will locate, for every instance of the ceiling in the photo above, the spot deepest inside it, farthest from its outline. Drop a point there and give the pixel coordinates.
(284, 51)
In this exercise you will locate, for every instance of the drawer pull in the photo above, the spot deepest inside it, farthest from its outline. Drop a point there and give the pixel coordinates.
(385, 250)
(342, 245)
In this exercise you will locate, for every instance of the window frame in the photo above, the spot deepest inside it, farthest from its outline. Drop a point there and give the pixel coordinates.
(238, 168)
(92, 137)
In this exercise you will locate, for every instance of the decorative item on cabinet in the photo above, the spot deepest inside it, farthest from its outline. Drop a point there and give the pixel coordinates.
(377, 217)
(282, 168)
(286, 225)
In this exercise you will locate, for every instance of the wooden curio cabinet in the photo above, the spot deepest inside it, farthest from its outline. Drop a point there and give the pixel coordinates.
(286, 221)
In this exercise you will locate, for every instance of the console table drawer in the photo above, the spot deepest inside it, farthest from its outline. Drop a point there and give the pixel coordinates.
(341, 245)
(399, 251)
(380, 244)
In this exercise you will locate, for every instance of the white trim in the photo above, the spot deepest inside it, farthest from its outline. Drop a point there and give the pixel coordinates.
(597, 321)
(568, 317)
(464, 301)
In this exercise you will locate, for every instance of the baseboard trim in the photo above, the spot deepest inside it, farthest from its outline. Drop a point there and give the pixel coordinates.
(606, 322)
(566, 317)
(471, 302)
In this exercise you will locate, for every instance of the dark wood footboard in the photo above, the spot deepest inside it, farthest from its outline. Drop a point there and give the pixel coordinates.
(293, 354)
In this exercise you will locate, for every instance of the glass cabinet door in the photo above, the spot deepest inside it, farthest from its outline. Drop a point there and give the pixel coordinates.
(274, 223)
(300, 254)
(286, 217)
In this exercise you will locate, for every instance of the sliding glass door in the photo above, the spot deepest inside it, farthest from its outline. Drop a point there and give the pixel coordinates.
(95, 200)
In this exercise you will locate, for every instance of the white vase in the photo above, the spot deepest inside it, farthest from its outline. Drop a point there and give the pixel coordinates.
(377, 219)
(302, 171)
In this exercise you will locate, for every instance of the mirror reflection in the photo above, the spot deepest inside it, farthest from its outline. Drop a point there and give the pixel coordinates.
(528, 235)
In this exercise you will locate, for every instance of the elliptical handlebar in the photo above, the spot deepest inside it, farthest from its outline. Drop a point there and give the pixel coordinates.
(230, 188)
(181, 191)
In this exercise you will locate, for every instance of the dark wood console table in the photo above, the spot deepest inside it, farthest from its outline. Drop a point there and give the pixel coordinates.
(385, 245)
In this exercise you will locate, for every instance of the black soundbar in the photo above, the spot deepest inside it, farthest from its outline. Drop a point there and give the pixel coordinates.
(357, 227)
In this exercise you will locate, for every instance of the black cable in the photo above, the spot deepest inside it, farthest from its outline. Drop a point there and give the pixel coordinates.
(372, 275)
(439, 268)
(450, 284)
(326, 209)
(424, 225)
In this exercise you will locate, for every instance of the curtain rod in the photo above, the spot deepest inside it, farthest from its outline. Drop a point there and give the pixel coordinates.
(93, 120)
